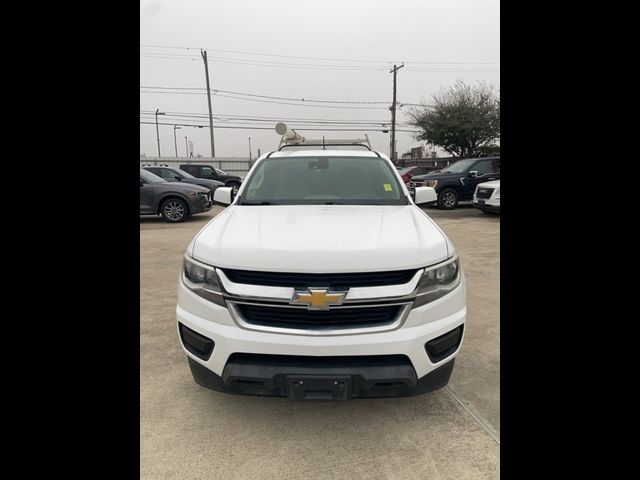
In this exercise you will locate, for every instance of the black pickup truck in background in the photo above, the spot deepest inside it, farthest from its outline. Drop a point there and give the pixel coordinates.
(458, 181)
(212, 173)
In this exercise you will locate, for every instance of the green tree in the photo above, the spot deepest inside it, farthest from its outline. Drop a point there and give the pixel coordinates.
(464, 119)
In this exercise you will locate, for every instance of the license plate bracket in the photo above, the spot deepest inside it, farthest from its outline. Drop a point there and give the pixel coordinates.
(319, 387)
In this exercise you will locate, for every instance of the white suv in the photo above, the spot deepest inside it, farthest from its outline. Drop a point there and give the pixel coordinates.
(487, 197)
(322, 280)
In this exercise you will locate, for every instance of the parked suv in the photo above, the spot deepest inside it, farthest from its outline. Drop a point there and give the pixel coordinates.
(174, 201)
(212, 173)
(487, 197)
(322, 280)
(176, 175)
(458, 181)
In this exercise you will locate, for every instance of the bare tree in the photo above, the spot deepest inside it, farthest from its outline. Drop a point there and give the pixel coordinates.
(464, 120)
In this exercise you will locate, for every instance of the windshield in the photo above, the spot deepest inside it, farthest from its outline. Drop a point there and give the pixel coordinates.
(323, 181)
(221, 172)
(459, 166)
(182, 173)
(149, 177)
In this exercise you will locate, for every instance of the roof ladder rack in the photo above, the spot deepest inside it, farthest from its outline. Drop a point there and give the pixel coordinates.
(290, 138)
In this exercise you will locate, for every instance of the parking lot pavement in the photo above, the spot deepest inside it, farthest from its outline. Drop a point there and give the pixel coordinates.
(189, 432)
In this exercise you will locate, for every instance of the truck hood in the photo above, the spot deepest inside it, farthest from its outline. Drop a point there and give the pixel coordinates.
(437, 176)
(321, 239)
(184, 187)
(205, 182)
(492, 184)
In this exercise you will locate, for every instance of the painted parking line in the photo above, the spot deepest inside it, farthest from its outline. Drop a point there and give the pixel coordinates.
(479, 420)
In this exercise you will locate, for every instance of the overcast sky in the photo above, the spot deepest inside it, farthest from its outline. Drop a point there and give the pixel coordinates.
(360, 40)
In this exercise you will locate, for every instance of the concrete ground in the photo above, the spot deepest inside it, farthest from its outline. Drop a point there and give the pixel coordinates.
(188, 432)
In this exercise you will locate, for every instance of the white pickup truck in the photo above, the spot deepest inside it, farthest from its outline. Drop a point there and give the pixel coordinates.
(322, 280)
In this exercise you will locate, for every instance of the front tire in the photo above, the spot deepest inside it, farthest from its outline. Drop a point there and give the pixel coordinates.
(234, 188)
(174, 210)
(448, 199)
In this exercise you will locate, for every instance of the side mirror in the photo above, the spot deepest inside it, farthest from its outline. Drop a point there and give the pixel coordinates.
(178, 178)
(425, 195)
(473, 173)
(222, 196)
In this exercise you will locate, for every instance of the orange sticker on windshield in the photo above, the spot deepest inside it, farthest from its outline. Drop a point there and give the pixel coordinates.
(387, 187)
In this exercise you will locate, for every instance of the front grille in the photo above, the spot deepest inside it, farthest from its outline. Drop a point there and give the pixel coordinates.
(335, 281)
(334, 319)
(484, 192)
(300, 361)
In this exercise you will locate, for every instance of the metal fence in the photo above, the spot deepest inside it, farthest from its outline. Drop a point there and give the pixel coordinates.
(232, 165)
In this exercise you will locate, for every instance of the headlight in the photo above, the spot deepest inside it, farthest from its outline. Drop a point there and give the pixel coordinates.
(431, 183)
(437, 281)
(202, 280)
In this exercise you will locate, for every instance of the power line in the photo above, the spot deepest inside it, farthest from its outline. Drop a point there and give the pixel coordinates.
(268, 96)
(403, 104)
(308, 66)
(273, 118)
(302, 99)
(173, 88)
(387, 62)
(244, 120)
(268, 64)
(264, 101)
(270, 128)
(276, 118)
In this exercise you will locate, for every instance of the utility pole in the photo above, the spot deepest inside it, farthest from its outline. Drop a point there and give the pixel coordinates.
(249, 150)
(158, 112)
(186, 148)
(206, 71)
(393, 113)
(175, 127)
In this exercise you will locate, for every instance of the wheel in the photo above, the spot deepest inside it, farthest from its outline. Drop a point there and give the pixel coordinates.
(174, 210)
(448, 199)
(234, 188)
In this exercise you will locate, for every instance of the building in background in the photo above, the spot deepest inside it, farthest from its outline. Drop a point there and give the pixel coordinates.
(421, 156)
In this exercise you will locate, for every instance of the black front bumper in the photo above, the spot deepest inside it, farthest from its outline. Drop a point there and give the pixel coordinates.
(487, 208)
(320, 378)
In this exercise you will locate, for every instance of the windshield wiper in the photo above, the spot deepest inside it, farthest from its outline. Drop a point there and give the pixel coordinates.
(333, 203)
(258, 203)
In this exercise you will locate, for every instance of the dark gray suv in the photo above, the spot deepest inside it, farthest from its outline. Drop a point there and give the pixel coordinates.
(173, 200)
(171, 174)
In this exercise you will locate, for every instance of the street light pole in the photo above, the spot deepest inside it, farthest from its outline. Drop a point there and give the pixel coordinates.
(158, 112)
(175, 142)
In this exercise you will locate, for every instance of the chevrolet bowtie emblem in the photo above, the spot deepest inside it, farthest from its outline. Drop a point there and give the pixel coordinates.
(318, 298)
